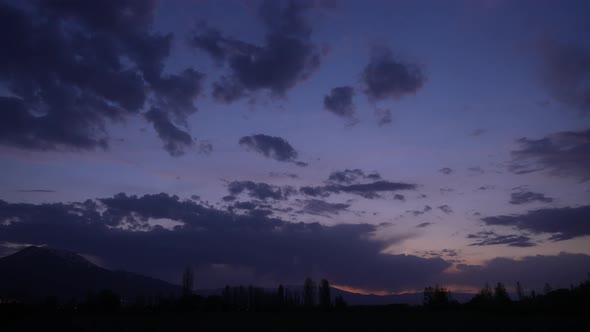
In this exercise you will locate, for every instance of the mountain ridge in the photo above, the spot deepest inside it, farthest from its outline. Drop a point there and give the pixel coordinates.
(37, 272)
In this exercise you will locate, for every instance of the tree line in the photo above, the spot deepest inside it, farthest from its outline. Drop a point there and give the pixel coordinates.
(312, 296)
(575, 299)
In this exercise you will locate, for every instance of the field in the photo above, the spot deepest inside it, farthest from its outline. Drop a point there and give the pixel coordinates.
(296, 321)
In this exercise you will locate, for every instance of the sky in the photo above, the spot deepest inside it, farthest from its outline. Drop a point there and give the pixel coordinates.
(383, 145)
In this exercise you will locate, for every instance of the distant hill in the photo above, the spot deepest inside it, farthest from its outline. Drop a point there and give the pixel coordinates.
(37, 272)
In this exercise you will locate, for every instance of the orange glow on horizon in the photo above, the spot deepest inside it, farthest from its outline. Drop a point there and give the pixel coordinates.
(362, 291)
(450, 288)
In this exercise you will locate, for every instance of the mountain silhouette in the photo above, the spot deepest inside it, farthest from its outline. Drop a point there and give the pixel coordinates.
(38, 272)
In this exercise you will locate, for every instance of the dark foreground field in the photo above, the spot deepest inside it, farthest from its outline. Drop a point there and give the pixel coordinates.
(302, 321)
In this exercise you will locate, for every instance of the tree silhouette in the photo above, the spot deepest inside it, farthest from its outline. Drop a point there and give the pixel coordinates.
(187, 282)
(281, 295)
(484, 298)
(436, 296)
(519, 291)
(308, 293)
(324, 295)
(547, 289)
(500, 294)
(339, 303)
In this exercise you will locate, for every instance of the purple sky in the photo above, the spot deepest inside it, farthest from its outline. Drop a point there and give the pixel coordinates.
(417, 141)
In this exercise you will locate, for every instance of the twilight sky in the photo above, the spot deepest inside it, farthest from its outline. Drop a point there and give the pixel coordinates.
(384, 145)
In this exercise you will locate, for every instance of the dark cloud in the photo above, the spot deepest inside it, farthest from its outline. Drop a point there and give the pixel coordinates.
(446, 209)
(387, 77)
(427, 208)
(448, 254)
(287, 56)
(273, 147)
(339, 101)
(100, 63)
(228, 198)
(424, 224)
(258, 190)
(366, 190)
(566, 73)
(219, 47)
(488, 238)
(205, 147)
(273, 250)
(485, 187)
(249, 205)
(565, 153)
(177, 92)
(563, 223)
(227, 91)
(445, 170)
(253, 208)
(287, 175)
(399, 197)
(320, 207)
(314, 191)
(355, 181)
(176, 141)
(523, 197)
(349, 176)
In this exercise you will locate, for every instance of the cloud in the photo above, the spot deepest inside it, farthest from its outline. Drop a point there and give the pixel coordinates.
(273, 147)
(566, 73)
(445, 170)
(523, 197)
(357, 182)
(367, 190)
(273, 250)
(205, 147)
(283, 174)
(427, 208)
(323, 208)
(565, 153)
(446, 209)
(339, 101)
(399, 197)
(286, 57)
(253, 208)
(563, 223)
(101, 63)
(424, 224)
(485, 187)
(176, 141)
(349, 176)
(387, 77)
(488, 238)
(35, 191)
(258, 190)
(229, 198)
